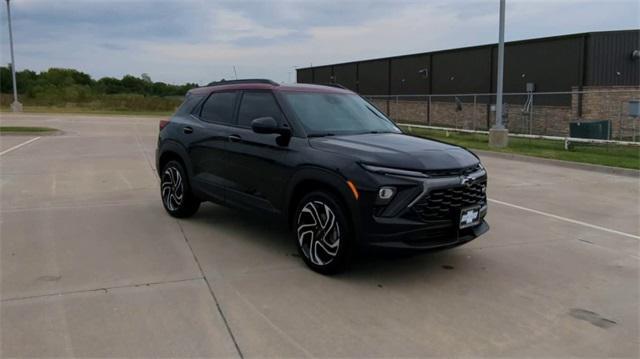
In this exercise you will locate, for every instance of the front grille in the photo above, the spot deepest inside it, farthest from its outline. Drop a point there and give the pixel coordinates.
(453, 172)
(443, 204)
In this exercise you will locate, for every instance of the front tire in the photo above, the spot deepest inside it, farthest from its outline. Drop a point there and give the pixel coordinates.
(177, 198)
(323, 235)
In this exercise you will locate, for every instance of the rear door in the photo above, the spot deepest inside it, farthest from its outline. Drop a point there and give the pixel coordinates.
(256, 162)
(207, 149)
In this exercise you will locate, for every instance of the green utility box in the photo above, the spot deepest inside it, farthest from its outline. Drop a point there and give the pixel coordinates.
(599, 130)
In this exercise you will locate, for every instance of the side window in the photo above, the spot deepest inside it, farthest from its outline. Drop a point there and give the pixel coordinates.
(190, 102)
(219, 107)
(258, 104)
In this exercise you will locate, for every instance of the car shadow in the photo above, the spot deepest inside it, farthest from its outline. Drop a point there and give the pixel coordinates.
(273, 237)
(247, 226)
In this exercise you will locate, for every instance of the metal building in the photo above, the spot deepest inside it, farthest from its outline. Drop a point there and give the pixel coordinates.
(557, 63)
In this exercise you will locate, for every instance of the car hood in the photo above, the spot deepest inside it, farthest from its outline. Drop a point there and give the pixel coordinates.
(398, 151)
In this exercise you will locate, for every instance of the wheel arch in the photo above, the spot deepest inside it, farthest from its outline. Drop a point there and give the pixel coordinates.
(173, 151)
(310, 179)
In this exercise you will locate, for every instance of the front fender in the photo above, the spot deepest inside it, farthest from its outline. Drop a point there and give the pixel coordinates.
(330, 179)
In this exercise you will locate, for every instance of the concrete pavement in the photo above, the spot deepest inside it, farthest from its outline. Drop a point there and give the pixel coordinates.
(92, 266)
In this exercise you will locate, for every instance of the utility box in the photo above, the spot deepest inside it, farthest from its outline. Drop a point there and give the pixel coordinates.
(634, 108)
(598, 130)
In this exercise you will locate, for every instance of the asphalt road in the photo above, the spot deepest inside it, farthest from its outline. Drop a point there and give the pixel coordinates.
(91, 266)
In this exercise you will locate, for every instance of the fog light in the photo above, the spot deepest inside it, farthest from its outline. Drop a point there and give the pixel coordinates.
(386, 193)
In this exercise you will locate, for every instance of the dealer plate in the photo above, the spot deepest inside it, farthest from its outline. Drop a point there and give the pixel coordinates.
(469, 217)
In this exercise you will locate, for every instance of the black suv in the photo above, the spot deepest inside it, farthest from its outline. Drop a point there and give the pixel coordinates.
(325, 160)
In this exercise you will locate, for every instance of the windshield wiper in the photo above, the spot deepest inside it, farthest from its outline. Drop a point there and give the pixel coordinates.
(320, 135)
(383, 131)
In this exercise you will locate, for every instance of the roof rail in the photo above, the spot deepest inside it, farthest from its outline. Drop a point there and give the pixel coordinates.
(334, 84)
(243, 81)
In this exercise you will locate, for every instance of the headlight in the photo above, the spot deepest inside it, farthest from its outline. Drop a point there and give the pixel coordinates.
(393, 171)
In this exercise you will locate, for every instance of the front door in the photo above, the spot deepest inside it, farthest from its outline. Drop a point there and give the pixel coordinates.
(256, 162)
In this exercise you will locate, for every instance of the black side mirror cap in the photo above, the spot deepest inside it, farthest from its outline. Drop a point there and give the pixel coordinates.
(268, 125)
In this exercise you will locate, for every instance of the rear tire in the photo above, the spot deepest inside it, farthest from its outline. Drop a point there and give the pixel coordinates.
(323, 235)
(177, 198)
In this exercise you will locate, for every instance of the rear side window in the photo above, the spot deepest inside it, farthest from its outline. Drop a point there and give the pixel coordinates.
(190, 102)
(258, 104)
(219, 107)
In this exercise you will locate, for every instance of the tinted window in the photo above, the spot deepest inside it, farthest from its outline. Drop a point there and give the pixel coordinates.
(258, 104)
(219, 107)
(190, 102)
(330, 113)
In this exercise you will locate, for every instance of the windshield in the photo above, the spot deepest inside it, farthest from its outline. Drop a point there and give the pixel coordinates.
(325, 114)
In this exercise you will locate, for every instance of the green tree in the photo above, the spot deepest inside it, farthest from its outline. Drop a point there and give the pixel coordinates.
(63, 86)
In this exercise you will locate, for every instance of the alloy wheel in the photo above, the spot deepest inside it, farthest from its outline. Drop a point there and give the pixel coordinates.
(172, 188)
(318, 233)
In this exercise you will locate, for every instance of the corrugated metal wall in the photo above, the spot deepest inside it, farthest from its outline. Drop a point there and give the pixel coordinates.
(552, 64)
(609, 61)
(374, 77)
(323, 75)
(346, 75)
(410, 75)
(305, 75)
(462, 71)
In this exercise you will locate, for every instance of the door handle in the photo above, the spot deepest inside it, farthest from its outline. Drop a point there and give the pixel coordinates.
(187, 130)
(234, 138)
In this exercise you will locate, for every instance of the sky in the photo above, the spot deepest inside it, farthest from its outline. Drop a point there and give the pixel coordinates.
(203, 40)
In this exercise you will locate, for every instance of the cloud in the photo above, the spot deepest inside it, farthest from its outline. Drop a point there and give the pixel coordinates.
(200, 40)
(229, 26)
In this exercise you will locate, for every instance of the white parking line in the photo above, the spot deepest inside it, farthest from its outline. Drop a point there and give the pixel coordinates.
(566, 219)
(18, 146)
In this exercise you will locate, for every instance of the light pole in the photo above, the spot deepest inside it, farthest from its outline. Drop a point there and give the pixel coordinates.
(15, 106)
(498, 134)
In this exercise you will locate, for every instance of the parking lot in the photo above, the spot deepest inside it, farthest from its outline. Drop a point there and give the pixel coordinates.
(92, 266)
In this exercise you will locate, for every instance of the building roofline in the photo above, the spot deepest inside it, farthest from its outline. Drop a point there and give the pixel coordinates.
(473, 47)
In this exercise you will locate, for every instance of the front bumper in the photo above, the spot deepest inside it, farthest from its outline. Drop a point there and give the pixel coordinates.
(428, 238)
(406, 223)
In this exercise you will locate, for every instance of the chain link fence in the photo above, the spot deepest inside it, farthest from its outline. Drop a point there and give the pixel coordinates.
(565, 114)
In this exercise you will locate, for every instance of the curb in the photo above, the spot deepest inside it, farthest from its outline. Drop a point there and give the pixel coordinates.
(566, 164)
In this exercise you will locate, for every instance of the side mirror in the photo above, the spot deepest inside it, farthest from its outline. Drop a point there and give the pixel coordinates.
(268, 125)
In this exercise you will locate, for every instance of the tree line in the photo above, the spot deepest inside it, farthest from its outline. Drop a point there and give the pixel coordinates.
(65, 87)
(31, 83)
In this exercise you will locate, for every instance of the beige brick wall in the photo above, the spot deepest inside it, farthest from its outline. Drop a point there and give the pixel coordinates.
(613, 106)
(381, 105)
(550, 120)
(545, 120)
(465, 115)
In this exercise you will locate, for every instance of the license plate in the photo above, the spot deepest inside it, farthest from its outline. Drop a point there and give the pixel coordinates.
(469, 217)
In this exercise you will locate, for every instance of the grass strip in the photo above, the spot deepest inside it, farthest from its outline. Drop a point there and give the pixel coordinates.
(599, 154)
(25, 129)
